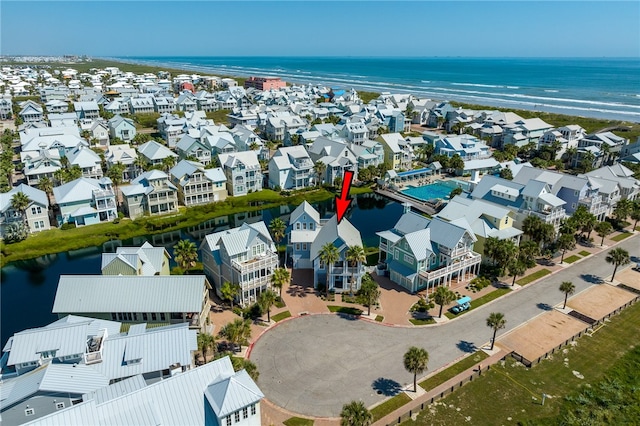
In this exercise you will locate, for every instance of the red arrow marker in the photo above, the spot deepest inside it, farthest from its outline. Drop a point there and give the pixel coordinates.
(342, 202)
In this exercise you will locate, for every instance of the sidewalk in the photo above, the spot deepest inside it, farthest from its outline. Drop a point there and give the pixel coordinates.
(420, 403)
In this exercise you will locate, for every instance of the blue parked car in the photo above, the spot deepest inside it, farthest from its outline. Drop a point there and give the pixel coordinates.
(462, 305)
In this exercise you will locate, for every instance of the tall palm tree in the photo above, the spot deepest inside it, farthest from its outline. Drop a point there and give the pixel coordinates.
(319, 168)
(141, 164)
(278, 228)
(443, 296)
(229, 291)
(168, 163)
(415, 361)
(369, 292)
(603, 229)
(19, 202)
(205, 342)
(635, 213)
(496, 321)
(567, 288)
(355, 256)
(186, 254)
(565, 242)
(355, 414)
(617, 256)
(279, 278)
(46, 185)
(531, 225)
(115, 174)
(622, 210)
(266, 301)
(516, 268)
(329, 255)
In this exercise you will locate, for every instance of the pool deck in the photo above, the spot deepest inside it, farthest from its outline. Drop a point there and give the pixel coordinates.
(420, 206)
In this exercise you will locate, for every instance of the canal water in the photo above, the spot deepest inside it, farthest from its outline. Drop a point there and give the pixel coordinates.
(28, 287)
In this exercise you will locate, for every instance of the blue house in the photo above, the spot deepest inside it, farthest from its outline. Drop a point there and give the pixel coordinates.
(86, 201)
(304, 225)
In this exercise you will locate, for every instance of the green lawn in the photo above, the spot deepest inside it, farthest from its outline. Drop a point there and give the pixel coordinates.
(584, 253)
(379, 318)
(572, 259)
(622, 236)
(481, 301)
(532, 277)
(389, 406)
(280, 303)
(345, 310)
(298, 421)
(452, 371)
(511, 393)
(422, 321)
(281, 316)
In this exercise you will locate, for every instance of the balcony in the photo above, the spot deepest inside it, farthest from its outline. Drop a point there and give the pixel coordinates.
(104, 193)
(268, 260)
(472, 259)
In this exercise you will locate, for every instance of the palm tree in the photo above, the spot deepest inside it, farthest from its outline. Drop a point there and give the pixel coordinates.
(141, 164)
(355, 255)
(603, 229)
(19, 202)
(115, 174)
(369, 292)
(46, 185)
(355, 414)
(266, 301)
(279, 278)
(319, 168)
(443, 296)
(328, 256)
(567, 288)
(229, 291)
(244, 331)
(565, 242)
(168, 163)
(496, 321)
(531, 225)
(516, 268)
(186, 254)
(205, 341)
(617, 256)
(622, 210)
(415, 361)
(635, 213)
(278, 228)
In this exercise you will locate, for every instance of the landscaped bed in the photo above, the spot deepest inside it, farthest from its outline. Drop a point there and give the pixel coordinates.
(452, 371)
(298, 421)
(345, 310)
(584, 253)
(622, 236)
(389, 406)
(572, 259)
(281, 316)
(532, 277)
(422, 321)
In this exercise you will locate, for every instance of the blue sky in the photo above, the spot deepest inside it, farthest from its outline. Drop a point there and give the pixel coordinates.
(322, 28)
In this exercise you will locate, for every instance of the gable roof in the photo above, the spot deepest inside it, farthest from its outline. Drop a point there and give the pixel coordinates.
(331, 231)
(80, 189)
(232, 394)
(304, 208)
(35, 195)
(155, 151)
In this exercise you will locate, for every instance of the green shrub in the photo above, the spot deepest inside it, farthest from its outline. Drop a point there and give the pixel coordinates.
(68, 225)
(421, 306)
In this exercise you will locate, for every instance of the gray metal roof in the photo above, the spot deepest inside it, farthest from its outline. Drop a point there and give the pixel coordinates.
(155, 151)
(116, 390)
(106, 294)
(178, 400)
(449, 234)
(80, 189)
(331, 231)
(232, 394)
(420, 243)
(410, 222)
(304, 208)
(35, 195)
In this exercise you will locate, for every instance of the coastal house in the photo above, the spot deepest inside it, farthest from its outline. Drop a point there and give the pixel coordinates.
(304, 225)
(422, 253)
(36, 214)
(617, 182)
(87, 110)
(6, 107)
(398, 152)
(342, 277)
(98, 132)
(290, 168)
(142, 105)
(369, 153)
(145, 260)
(533, 198)
(243, 172)
(30, 111)
(213, 394)
(245, 255)
(171, 128)
(118, 106)
(135, 299)
(62, 139)
(57, 106)
(277, 125)
(122, 128)
(221, 143)
(466, 146)
(524, 131)
(186, 101)
(89, 162)
(336, 156)
(86, 201)
(125, 155)
(199, 149)
(40, 164)
(197, 185)
(150, 193)
(485, 219)
(355, 132)
(154, 152)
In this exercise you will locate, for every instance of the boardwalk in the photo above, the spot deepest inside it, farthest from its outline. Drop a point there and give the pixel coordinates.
(417, 205)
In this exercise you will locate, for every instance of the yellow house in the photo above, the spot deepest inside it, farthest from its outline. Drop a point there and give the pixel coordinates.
(146, 260)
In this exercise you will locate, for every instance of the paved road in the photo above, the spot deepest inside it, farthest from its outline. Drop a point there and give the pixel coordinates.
(313, 365)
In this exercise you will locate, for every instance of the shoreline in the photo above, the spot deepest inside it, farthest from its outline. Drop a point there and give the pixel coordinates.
(539, 106)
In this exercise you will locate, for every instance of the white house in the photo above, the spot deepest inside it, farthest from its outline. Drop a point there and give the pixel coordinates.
(36, 215)
(291, 168)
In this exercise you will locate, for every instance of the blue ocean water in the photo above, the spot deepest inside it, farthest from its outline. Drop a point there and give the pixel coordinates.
(595, 87)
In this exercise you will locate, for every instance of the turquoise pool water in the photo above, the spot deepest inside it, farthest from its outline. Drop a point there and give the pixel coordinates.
(439, 189)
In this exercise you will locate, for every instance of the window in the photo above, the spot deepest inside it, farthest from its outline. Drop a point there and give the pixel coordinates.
(144, 316)
(113, 317)
(59, 405)
(162, 316)
(573, 205)
(236, 416)
(29, 412)
(36, 210)
(153, 316)
(245, 412)
(506, 220)
(297, 246)
(228, 420)
(253, 409)
(304, 246)
(408, 259)
(297, 226)
(304, 225)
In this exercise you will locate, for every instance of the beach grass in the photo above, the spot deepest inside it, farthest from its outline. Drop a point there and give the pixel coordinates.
(532, 277)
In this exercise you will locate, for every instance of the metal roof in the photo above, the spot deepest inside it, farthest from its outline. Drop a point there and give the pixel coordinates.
(80, 189)
(232, 394)
(116, 390)
(332, 231)
(35, 195)
(304, 208)
(106, 294)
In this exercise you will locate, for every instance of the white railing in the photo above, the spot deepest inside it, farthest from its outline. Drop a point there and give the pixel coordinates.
(255, 263)
(475, 259)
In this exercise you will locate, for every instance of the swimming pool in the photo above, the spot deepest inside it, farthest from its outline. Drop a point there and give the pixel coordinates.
(439, 189)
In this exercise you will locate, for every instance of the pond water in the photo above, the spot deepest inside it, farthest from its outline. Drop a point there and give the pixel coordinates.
(28, 287)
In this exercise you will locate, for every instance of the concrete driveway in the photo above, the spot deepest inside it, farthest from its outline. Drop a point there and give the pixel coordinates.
(315, 364)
